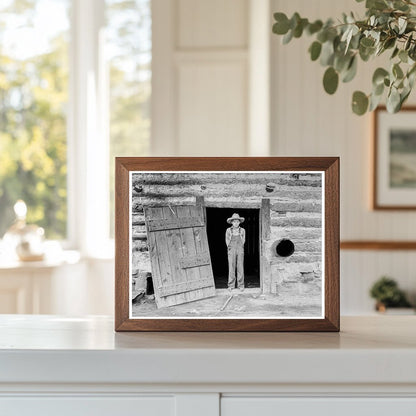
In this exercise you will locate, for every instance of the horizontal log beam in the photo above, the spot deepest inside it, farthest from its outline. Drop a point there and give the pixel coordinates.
(138, 219)
(137, 229)
(202, 178)
(236, 189)
(298, 258)
(139, 236)
(296, 222)
(295, 233)
(296, 206)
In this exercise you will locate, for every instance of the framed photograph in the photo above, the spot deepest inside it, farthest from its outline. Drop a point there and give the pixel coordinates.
(227, 244)
(394, 180)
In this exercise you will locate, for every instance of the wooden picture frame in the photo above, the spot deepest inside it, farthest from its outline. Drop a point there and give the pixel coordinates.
(394, 184)
(283, 202)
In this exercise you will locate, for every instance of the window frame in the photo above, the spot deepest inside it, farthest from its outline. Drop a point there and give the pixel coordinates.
(87, 133)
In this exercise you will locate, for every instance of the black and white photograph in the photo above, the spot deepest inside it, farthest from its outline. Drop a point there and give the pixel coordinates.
(226, 244)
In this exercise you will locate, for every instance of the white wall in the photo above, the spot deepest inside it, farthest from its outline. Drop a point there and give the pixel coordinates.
(308, 122)
(202, 80)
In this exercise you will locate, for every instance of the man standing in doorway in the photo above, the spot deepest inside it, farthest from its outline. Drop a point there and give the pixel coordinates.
(235, 237)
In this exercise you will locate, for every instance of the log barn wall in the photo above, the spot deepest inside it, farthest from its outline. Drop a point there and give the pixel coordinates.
(294, 212)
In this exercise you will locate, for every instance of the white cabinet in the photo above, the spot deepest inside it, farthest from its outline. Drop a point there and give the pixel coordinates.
(51, 365)
(88, 406)
(272, 406)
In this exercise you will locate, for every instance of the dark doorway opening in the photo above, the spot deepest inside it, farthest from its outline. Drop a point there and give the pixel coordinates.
(216, 227)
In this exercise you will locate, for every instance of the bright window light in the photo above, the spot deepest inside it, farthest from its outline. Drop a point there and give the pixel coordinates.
(33, 102)
(129, 54)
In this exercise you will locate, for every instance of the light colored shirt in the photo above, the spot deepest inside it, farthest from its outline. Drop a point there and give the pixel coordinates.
(230, 231)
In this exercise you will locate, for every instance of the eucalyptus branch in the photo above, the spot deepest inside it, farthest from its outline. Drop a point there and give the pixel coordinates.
(389, 25)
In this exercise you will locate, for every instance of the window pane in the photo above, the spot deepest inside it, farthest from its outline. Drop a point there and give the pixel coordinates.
(33, 100)
(129, 46)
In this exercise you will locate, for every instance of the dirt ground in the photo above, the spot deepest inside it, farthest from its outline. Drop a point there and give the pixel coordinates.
(295, 301)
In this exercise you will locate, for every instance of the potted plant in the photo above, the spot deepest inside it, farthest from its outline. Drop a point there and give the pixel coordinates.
(389, 27)
(387, 294)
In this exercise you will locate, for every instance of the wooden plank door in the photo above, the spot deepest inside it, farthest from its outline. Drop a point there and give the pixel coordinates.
(179, 254)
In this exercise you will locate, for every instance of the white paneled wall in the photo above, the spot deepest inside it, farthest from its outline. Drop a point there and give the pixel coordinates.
(308, 122)
(200, 75)
(212, 103)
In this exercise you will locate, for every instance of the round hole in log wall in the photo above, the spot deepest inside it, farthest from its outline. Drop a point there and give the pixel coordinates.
(284, 247)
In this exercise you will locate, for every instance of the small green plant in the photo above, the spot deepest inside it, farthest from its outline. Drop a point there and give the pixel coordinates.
(389, 26)
(387, 293)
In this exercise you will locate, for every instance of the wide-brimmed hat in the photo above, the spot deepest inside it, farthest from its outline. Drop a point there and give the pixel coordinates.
(235, 216)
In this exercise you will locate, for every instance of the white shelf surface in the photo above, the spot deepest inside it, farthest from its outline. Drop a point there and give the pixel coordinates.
(52, 349)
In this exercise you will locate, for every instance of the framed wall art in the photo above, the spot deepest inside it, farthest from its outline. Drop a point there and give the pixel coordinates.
(394, 160)
(227, 244)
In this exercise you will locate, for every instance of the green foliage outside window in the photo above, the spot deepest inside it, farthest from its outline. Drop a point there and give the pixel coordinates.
(33, 99)
(34, 102)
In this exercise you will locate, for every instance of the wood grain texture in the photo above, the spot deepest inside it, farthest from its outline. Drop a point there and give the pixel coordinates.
(332, 224)
(122, 261)
(378, 245)
(329, 165)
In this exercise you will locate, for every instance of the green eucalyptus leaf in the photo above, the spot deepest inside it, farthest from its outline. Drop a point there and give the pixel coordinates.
(322, 35)
(366, 53)
(341, 61)
(294, 20)
(412, 70)
(387, 82)
(397, 71)
(379, 75)
(389, 43)
(298, 30)
(347, 33)
(314, 27)
(359, 103)
(402, 22)
(367, 42)
(408, 42)
(281, 27)
(412, 52)
(330, 80)
(400, 5)
(378, 89)
(315, 50)
(351, 70)
(411, 78)
(355, 41)
(374, 102)
(403, 56)
(327, 54)
(395, 52)
(376, 4)
(288, 37)
(404, 96)
(393, 101)
(282, 24)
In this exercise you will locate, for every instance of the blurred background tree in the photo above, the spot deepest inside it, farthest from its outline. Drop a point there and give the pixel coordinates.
(34, 74)
(33, 98)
